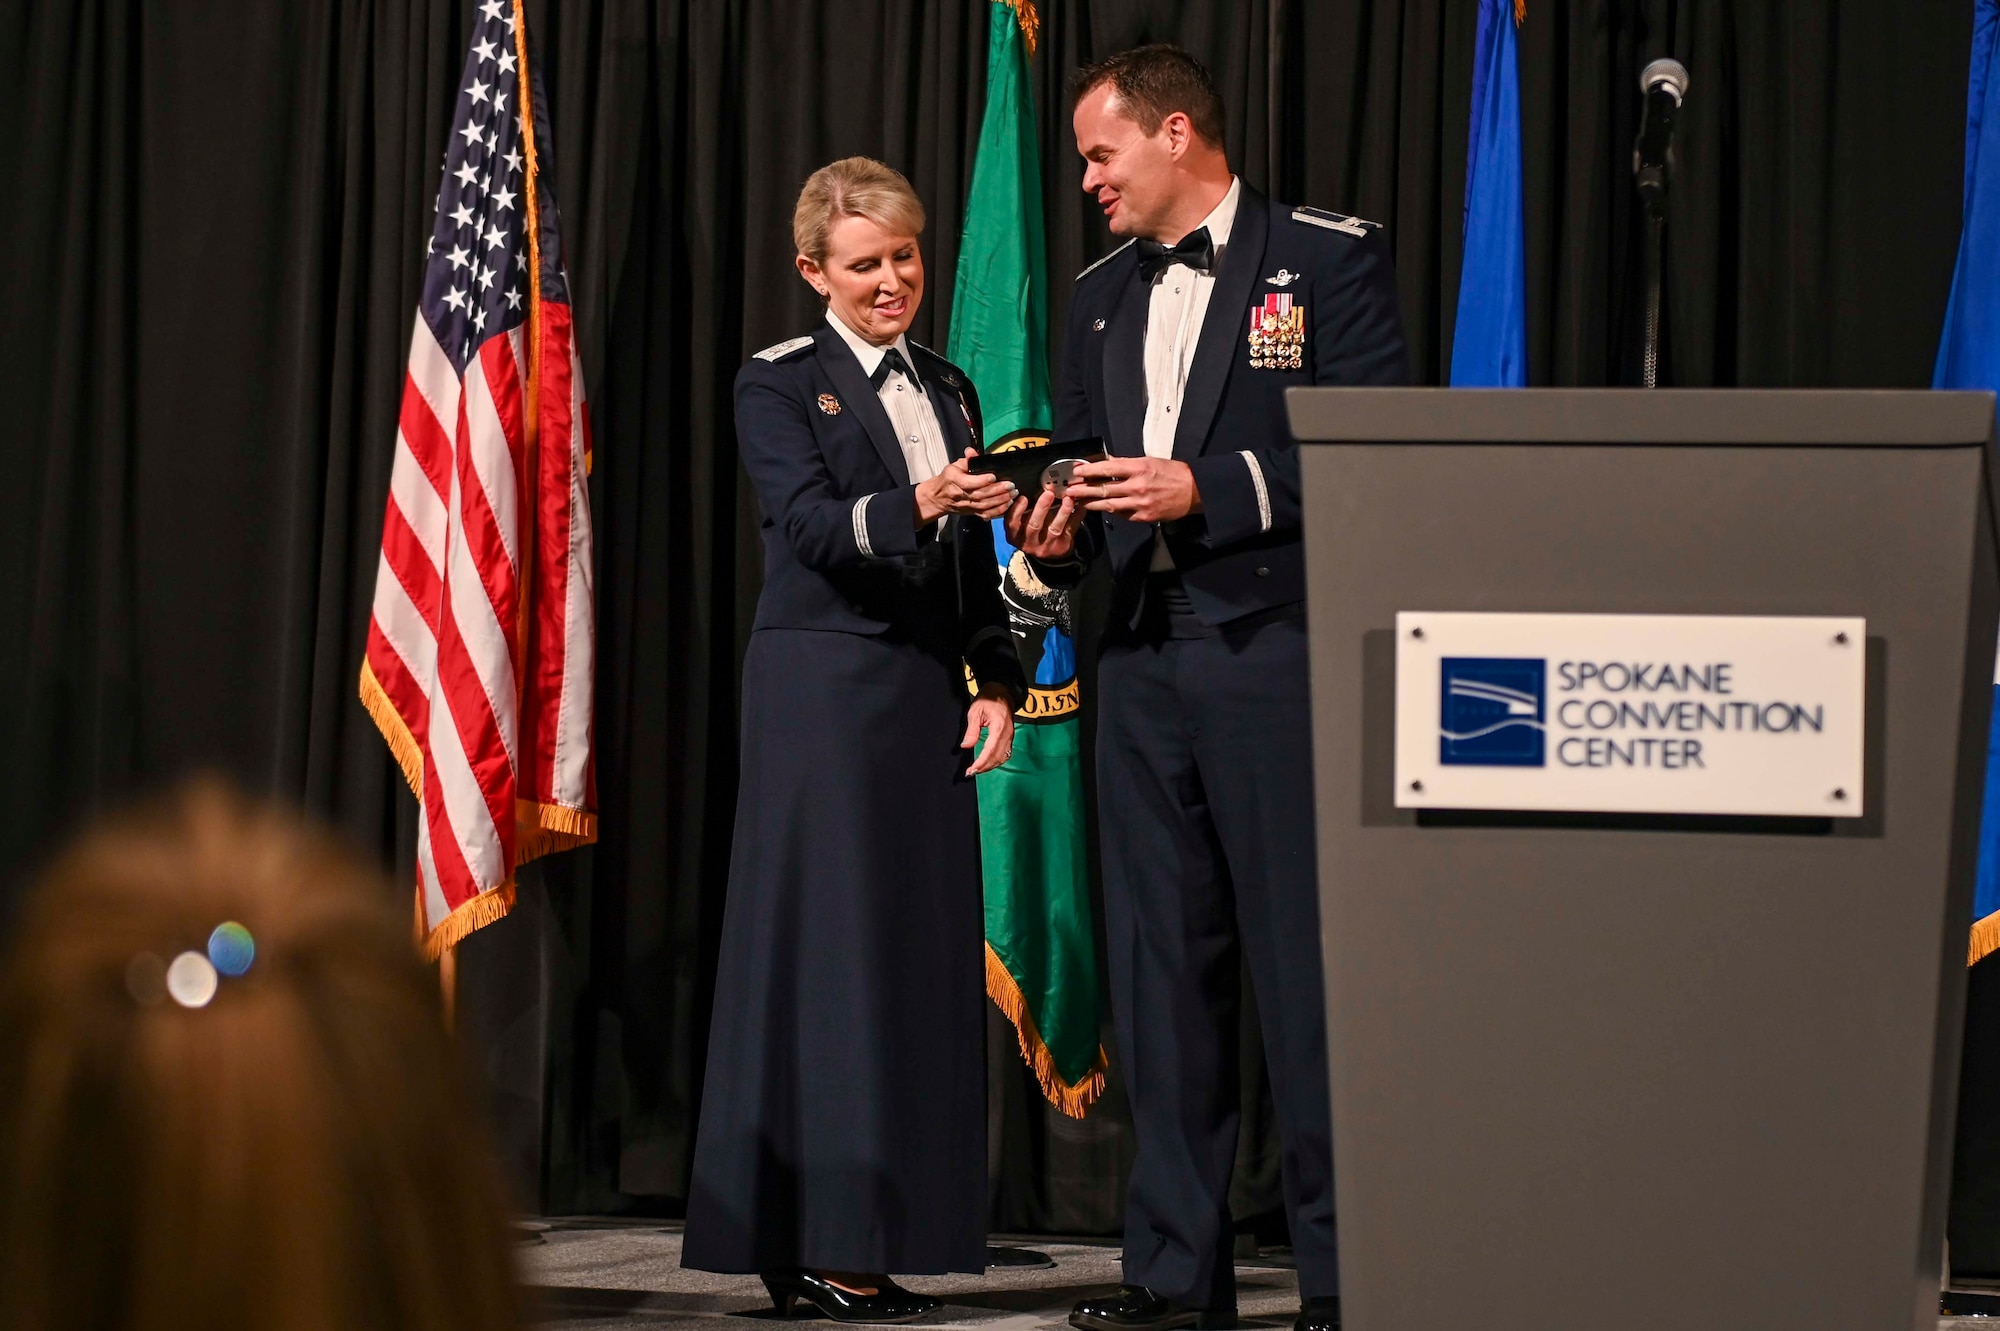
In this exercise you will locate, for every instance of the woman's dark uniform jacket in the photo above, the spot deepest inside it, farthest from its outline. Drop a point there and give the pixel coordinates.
(841, 548)
(843, 1111)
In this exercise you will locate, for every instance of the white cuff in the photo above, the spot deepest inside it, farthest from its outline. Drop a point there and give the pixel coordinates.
(861, 523)
(1263, 494)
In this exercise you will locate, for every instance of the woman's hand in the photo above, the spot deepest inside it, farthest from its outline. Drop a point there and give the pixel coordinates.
(1047, 531)
(993, 712)
(957, 490)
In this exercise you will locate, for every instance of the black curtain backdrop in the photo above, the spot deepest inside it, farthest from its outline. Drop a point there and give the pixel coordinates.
(216, 213)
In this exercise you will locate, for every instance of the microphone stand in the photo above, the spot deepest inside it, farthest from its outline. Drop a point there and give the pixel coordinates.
(1652, 182)
(1662, 84)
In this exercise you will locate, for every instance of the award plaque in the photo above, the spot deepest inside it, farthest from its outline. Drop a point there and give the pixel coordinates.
(1045, 466)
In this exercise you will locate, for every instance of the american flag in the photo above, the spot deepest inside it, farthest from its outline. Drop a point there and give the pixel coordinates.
(482, 641)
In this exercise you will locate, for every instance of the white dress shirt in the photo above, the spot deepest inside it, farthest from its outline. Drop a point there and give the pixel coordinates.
(909, 407)
(1173, 327)
(1174, 317)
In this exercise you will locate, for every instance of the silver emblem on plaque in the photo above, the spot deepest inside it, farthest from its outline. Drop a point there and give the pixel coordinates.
(1061, 474)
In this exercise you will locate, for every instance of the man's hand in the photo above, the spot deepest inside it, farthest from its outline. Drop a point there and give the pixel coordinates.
(992, 712)
(1047, 531)
(1144, 489)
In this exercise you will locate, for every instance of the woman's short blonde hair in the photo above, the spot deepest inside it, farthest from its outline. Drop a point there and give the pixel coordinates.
(854, 187)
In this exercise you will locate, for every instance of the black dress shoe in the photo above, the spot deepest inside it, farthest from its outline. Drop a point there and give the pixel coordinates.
(1136, 1308)
(1319, 1315)
(889, 1303)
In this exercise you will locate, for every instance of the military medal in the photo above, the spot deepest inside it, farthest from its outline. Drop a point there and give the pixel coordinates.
(1277, 333)
(829, 404)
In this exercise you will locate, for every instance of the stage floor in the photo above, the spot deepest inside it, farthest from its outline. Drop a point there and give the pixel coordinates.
(600, 1276)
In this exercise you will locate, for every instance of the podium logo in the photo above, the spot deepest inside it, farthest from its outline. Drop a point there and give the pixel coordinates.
(1491, 714)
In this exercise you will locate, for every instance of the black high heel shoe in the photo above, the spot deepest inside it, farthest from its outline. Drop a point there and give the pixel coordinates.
(889, 1303)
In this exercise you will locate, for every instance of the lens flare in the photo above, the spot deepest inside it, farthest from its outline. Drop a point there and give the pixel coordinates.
(146, 980)
(191, 980)
(231, 949)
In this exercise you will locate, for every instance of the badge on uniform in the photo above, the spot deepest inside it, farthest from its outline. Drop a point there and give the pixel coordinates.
(1277, 333)
(829, 404)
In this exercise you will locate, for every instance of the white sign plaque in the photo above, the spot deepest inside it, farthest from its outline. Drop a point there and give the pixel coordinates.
(1698, 714)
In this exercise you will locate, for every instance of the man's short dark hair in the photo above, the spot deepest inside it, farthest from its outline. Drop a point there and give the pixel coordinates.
(1153, 82)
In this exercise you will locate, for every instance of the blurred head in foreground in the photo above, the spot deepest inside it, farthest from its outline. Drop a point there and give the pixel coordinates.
(227, 1099)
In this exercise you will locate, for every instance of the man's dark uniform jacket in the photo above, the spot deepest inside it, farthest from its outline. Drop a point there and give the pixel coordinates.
(1204, 752)
(1241, 552)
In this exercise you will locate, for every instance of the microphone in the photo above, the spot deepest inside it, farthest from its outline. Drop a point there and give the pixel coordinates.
(1663, 83)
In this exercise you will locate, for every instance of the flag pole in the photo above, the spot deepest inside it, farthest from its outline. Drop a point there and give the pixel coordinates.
(448, 985)
(533, 378)
(528, 487)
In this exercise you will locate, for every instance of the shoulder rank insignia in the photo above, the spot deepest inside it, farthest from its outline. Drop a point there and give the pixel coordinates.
(1277, 334)
(829, 404)
(1284, 277)
(1106, 259)
(784, 349)
(1353, 226)
(946, 370)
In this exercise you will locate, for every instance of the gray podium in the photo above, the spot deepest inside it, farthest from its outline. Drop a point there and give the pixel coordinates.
(1604, 1071)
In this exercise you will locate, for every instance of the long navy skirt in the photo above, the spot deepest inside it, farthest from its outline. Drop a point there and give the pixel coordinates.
(843, 1114)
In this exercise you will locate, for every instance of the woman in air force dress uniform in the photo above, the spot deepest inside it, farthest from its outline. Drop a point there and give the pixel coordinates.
(842, 1127)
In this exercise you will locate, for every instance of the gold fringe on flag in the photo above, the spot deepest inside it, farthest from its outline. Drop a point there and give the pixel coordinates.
(1073, 1101)
(539, 829)
(544, 829)
(1031, 22)
(475, 914)
(558, 819)
(1985, 939)
(394, 731)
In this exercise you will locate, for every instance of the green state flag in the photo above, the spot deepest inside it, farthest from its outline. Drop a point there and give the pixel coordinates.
(1041, 958)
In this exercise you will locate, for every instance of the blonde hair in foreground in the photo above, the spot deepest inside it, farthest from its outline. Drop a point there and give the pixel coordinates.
(301, 1154)
(854, 187)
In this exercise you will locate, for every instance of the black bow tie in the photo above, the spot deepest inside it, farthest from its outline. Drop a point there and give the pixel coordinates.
(1196, 250)
(892, 359)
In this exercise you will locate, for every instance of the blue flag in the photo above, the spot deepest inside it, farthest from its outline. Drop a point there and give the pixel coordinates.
(1489, 348)
(1969, 357)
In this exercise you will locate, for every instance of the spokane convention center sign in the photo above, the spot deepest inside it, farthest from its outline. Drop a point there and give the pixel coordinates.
(1676, 714)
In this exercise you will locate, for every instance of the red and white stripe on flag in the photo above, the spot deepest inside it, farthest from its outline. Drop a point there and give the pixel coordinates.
(482, 644)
